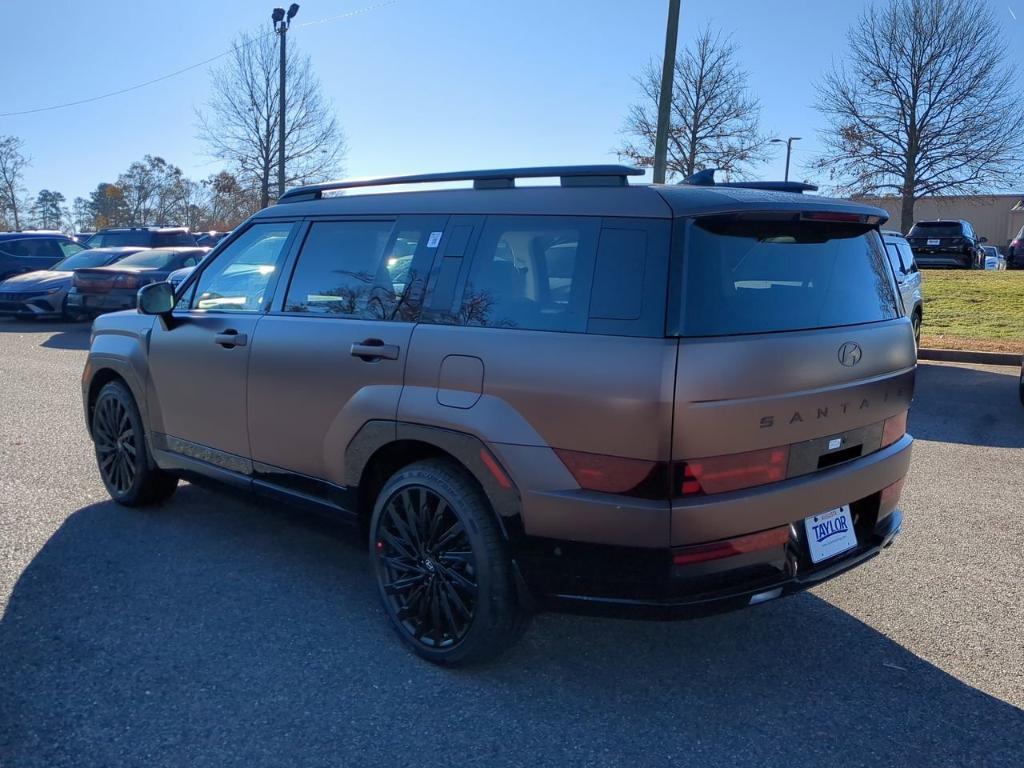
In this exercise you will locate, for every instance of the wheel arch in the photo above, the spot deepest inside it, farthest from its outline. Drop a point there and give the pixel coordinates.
(101, 374)
(381, 448)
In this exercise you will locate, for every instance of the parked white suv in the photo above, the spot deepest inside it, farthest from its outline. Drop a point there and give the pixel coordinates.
(908, 277)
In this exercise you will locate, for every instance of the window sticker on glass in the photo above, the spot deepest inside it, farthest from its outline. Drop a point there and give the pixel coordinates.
(433, 240)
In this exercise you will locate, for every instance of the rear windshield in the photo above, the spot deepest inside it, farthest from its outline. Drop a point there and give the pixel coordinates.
(937, 229)
(747, 276)
(151, 259)
(83, 260)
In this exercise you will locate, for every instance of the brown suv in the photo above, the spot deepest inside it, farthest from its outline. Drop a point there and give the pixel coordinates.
(662, 400)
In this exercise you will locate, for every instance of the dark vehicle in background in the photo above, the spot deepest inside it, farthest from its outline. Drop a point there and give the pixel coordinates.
(145, 237)
(109, 289)
(210, 239)
(652, 400)
(908, 277)
(1015, 252)
(44, 293)
(951, 243)
(31, 251)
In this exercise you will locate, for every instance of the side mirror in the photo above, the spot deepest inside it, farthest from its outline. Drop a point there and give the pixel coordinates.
(156, 299)
(982, 239)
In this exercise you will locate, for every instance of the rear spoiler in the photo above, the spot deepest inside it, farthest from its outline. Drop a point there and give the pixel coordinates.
(706, 178)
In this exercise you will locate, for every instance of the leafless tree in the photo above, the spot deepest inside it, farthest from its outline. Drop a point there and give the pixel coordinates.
(12, 171)
(714, 120)
(240, 121)
(923, 106)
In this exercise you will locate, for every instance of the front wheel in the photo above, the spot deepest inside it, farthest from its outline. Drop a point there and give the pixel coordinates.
(915, 322)
(442, 567)
(125, 466)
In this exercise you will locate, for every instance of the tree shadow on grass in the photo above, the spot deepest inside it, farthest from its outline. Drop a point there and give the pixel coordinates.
(216, 631)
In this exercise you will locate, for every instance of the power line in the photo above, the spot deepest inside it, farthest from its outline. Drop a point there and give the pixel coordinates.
(189, 68)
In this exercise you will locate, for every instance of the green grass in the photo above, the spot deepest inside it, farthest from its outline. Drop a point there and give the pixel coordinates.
(961, 307)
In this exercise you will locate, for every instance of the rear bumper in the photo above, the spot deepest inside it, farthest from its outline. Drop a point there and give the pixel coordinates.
(101, 303)
(747, 586)
(617, 557)
(936, 257)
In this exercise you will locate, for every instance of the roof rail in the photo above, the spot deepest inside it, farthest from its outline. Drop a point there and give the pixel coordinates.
(706, 178)
(502, 178)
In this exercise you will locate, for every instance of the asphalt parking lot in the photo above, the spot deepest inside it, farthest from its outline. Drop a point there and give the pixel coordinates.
(220, 631)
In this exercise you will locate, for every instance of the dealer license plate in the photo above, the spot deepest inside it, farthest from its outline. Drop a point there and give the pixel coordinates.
(830, 533)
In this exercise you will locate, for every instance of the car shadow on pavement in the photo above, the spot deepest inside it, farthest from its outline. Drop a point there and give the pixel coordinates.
(975, 406)
(57, 334)
(214, 631)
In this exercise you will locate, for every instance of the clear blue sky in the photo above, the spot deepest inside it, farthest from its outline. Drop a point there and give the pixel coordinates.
(419, 85)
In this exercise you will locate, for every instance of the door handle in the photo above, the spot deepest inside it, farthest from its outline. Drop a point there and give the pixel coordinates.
(372, 350)
(231, 338)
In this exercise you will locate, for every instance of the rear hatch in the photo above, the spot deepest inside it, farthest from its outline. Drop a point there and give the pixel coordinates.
(937, 237)
(793, 350)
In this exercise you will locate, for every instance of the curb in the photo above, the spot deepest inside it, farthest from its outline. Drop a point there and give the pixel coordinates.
(969, 356)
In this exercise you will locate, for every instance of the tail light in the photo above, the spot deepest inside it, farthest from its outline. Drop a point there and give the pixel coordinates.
(614, 474)
(894, 428)
(126, 281)
(716, 550)
(720, 474)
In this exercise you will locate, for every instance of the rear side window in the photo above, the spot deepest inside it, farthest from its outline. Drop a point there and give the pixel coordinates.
(531, 273)
(756, 276)
(33, 247)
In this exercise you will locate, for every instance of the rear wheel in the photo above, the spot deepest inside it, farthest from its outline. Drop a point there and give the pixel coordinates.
(125, 466)
(69, 316)
(442, 568)
(915, 321)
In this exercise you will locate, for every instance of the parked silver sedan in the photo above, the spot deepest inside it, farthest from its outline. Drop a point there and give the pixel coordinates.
(44, 293)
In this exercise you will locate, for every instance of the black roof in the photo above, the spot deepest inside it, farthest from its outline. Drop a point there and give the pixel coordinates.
(21, 235)
(600, 190)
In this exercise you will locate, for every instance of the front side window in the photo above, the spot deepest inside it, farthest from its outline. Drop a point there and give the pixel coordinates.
(365, 270)
(526, 274)
(238, 278)
(760, 276)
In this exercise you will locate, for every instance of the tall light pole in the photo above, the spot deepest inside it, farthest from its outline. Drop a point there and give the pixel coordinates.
(789, 148)
(282, 21)
(668, 65)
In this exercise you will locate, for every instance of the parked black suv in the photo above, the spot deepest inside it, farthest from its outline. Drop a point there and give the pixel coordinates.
(31, 251)
(947, 244)
(144, 237)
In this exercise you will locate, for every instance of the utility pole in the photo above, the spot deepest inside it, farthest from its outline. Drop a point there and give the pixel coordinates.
(668, 68)
(281, 23)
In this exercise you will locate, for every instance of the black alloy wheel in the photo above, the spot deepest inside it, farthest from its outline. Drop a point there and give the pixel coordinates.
(126, 468)
(116, 444)
(442, 566)
(429, 567)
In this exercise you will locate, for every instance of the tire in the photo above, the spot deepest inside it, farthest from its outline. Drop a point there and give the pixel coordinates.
(70, 317)
(442, 567)
(123, 459)
(915, 322)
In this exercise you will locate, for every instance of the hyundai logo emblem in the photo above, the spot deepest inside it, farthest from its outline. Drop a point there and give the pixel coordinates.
(850, 354)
